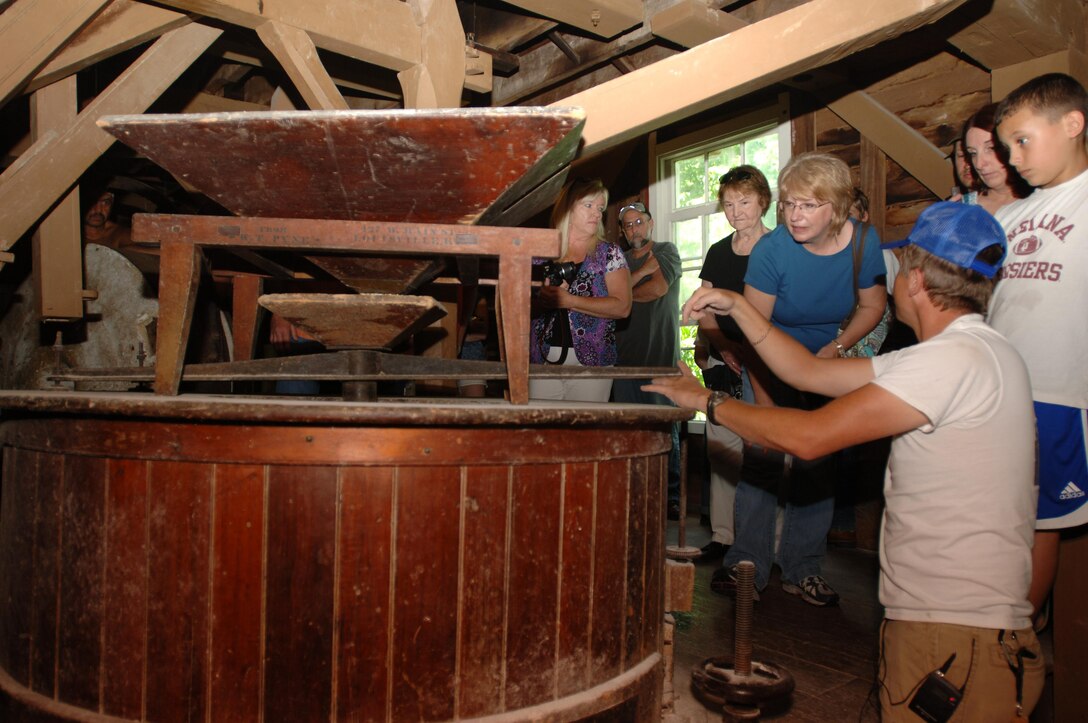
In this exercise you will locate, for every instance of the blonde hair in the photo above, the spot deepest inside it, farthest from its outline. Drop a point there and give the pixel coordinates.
(823, 177)
(571, 194)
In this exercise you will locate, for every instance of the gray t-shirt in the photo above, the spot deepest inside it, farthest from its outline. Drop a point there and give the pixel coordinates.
(650, 336)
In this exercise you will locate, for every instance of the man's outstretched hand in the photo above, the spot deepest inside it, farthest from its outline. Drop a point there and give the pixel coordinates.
(685, 391)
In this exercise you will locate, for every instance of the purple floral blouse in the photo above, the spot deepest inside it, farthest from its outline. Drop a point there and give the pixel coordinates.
(594, 337)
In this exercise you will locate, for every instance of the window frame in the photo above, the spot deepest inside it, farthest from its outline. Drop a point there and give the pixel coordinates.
(773, 117)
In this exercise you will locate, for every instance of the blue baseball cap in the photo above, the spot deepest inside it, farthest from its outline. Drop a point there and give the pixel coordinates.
(957, 233)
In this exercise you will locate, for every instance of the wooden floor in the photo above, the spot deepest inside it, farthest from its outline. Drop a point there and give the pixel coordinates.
(831, 652)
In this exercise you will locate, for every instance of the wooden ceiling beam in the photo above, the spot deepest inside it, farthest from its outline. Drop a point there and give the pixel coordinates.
(297, 54)
(338, 70)
(207, 103)
(49, 167)
(892, 135)
(382, 32)
(437, 79)
(687, 24)
(1017, 31)
(123, 25)
(753, 57)
(1070, 61)
(693, 22)
(603, 18)
(546, 66)
(33, 32)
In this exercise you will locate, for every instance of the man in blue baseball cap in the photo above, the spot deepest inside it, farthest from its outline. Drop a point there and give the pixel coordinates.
(955, 550)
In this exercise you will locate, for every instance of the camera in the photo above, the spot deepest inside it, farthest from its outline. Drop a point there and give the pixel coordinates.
(556, 272)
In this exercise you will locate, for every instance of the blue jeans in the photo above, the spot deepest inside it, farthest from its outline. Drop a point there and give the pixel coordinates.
(808, 494)
(629, 391)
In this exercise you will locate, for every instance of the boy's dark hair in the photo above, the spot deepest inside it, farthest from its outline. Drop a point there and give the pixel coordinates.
(950, 286)
(1052, 95)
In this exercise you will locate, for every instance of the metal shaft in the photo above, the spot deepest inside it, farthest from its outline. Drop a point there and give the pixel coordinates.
(682, 537)
(742, 634)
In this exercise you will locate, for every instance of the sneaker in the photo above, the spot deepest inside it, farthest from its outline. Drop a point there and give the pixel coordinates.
(713, 550)
(814, 590)
(724, 582)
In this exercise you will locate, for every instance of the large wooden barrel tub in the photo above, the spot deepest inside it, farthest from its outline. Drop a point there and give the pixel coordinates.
(232, 559)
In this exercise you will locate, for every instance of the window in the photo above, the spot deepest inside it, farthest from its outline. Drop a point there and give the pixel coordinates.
(684, 197)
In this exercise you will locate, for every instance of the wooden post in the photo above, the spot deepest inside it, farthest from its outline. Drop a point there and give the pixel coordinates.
(58, 257)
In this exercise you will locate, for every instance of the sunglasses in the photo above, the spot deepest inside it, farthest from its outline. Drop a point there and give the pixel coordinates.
(735, 177)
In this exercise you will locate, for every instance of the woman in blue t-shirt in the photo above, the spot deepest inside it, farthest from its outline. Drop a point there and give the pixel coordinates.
(801, 277)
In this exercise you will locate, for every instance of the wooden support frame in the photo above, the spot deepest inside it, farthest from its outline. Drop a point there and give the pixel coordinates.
(804, 37)
(182, 239)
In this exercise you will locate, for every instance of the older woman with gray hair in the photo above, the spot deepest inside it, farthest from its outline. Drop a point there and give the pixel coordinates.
(801, 276)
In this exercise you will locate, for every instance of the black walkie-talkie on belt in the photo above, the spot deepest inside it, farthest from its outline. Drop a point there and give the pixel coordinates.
(937, 698)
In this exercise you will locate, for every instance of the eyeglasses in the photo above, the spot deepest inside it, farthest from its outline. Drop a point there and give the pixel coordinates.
(807, 208)
(637, 223)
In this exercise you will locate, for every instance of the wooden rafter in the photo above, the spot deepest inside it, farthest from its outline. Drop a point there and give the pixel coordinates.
(692, 22)
(33, 32)
(806, 37)
(297, 54)
(382, 32)
(1017, 31)
(891, 134)
(603, 18)
(546, 65)
(436, 81)
(50, 166)
(123, 25)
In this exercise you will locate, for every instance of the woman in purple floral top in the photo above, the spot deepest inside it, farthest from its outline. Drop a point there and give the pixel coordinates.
(575, 323)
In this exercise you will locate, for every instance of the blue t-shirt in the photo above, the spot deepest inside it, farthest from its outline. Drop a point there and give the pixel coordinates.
(813, 294)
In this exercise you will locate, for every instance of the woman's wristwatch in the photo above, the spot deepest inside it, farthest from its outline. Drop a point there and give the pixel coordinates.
(712, 403)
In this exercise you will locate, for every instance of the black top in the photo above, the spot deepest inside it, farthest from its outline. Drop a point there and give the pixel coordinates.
(725, 269)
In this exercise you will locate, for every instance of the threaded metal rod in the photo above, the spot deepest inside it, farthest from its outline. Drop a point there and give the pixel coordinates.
(742, 634)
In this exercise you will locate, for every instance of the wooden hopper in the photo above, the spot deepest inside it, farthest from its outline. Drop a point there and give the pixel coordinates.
(462, 165)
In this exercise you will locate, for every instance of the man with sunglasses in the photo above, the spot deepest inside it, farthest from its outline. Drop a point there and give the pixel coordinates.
(650, 336)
